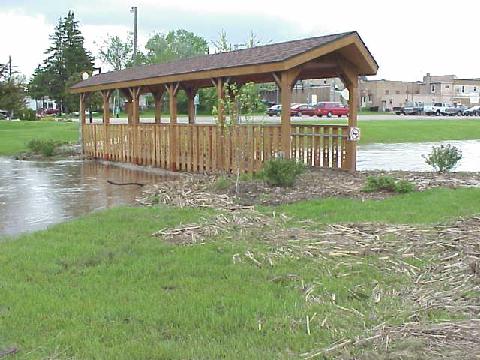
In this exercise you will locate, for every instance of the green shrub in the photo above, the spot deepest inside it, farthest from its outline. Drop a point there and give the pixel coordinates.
(222, 183)
(387, 183)
(281, 172)
(27, 114)
(443, 158)
(44, 147)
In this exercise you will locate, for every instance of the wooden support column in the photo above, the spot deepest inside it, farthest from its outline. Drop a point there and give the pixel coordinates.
(351, 148)
(82, 119)
(349, 76)
(134, 119)
(158, 97)
(172, 94)
(191, 92)
(106, 106)
(106, 123)
(220, 86)
(285, 82)
(83, 116)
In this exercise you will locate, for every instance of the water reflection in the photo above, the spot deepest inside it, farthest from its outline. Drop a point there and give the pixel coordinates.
(408, 156)
(34, 195)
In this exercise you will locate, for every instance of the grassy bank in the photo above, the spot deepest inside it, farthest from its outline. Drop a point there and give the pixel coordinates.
(14, 135)
(406, 209)
(102, 287)
(400, 131)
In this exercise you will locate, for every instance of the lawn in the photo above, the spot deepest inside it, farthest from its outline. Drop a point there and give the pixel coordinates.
(400, 131)
(14, 135)
(101, 287)
(410, 208)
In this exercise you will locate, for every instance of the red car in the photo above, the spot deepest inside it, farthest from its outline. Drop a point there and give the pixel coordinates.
(302, 109)
(331, 109)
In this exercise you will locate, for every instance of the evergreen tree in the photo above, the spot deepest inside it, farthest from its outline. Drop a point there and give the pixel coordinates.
(66, 58)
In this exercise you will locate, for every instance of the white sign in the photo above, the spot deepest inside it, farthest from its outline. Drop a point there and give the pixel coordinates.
(354, 134)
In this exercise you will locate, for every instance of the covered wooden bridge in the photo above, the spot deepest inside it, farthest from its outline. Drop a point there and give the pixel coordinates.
(219, 147)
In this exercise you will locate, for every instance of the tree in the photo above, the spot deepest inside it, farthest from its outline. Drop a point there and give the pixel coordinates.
(12, 95)
(178, 44)
(66, 58)
(222, 44)
(116, 52)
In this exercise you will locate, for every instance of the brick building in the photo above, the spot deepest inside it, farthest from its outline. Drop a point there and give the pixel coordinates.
(386, 94)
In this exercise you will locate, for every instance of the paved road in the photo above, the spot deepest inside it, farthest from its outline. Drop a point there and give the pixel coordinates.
(205, 119)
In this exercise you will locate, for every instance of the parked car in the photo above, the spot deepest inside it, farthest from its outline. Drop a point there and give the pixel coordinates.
(302, 109)
(398, 110)
(473, 111)
(456, 109)
(331, 109)
(436, 109)
(274, 110)
(413, 108)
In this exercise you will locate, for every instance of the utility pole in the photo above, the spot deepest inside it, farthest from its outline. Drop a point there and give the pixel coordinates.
(9, 67)
(134, 11)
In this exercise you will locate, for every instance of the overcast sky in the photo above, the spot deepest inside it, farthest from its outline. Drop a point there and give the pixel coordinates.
(407, 38)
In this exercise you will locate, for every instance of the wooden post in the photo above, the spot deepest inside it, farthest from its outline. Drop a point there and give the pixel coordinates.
(134, 119)
(106, 106)
(285, 82)
(191, 92)
(106, 122)
(158, 97)
(172, 94)
(220, 86)
(82, 119)
(351, 146)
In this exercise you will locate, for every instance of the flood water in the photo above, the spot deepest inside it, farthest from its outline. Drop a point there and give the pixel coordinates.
(408, 156)
(34, 195)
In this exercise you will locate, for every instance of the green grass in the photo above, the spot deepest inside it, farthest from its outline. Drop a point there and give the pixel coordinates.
(15, 135)
(431, 206)
(400, 131)
(102, 287)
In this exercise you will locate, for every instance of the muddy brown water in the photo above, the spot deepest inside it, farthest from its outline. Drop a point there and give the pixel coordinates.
(34, 195)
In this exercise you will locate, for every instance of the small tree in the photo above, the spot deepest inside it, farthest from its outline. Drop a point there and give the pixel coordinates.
(240, 104)
(443, 158)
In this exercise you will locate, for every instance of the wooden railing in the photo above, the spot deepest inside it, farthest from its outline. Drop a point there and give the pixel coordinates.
(209, 148)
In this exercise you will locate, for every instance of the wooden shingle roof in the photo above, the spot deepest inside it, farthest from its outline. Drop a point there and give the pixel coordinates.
(266, 54)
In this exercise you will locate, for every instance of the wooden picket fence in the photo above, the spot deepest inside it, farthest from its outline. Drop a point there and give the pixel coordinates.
(209, 148)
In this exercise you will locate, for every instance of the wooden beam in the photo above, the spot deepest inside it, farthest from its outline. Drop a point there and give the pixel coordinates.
(83, 117)
(351, 146)
(191, 93)
(172, 94)
(220, 85)
(106, 105)
(158, 98)
(286, 80)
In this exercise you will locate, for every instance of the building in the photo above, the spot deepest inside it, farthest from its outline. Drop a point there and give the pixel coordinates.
(386, 94)
(309, 91)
